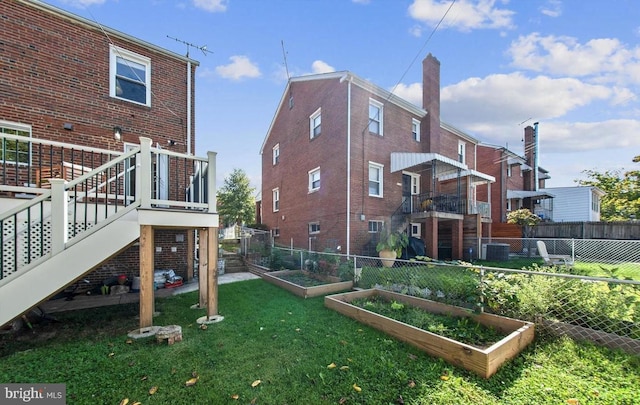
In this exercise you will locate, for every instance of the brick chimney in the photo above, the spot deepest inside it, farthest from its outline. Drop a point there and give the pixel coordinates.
(431, 103)
(529, 155)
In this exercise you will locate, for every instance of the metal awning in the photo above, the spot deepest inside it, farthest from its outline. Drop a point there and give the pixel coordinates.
(520, 194)
(475, 177)
(444, 165)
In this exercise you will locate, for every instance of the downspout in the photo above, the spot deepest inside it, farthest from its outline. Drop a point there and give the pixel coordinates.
(348, 212)
(535, 156)
(189, 107)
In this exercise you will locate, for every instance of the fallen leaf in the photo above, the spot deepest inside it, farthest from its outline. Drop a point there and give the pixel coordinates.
(112, 354)
(332, 365)
(124, 401)
(344, 368)
(137, 403)
(153, 390)
(256, 383)
(144, 378)
(444, 377)
(342, 400)
(412, 356)
(400, 400)
(595, 393)
(412, 384)
(194, 374)
(355, 387)
(573, 401)
(343, 342)
(203, 326)
(253, 401)
(297, 329)
(191, 381)
(129, 341)
(235, 396)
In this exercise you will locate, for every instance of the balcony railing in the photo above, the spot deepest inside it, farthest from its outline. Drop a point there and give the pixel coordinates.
(78, 199)
(437, 202)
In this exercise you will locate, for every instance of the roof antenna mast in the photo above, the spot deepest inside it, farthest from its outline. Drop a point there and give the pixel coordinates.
(284, 55)
(190, 45)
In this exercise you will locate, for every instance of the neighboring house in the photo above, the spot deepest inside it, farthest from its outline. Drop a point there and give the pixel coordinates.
(344, 158)
(574, 203)
(515, 186)
(113, 116)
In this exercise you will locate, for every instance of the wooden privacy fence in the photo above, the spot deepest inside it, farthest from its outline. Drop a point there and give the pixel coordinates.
(572, 230)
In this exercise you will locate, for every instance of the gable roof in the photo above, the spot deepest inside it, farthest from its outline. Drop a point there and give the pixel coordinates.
(345, 75)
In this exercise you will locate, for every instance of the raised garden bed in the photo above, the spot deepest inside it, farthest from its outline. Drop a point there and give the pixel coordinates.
(305, 284)
(483, 361)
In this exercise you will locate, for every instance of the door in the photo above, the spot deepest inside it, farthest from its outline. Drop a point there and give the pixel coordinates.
(406, 193)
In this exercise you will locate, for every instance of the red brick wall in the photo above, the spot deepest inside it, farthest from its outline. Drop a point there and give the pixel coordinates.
(56, 70)
(128, 262)
(299, 154)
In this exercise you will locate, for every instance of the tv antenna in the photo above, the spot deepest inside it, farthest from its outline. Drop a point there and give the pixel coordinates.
(284, 55)
(190, 45)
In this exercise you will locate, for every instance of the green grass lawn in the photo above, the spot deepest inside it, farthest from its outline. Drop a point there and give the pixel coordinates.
(287, 343)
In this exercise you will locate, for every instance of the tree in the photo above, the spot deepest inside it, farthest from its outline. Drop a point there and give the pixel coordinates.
(622, 201)
(525, 218)
(236, 204)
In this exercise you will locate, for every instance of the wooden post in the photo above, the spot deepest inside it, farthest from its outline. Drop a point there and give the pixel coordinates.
(146, 276)
(203, 265)
(190, 249)
(212, 279)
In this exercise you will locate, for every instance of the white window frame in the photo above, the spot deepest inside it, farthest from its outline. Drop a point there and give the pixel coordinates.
(276, 154)
(380, 168)
(276, 232)
(5, 127)
(315, 121)
(275, 193)
(376, 104)
(416, 230)
(509, 171)
(314, 228)
(116, 52)
(313, 179)
(415, 129)
(462, 152)
(378, 225)
(415, 182)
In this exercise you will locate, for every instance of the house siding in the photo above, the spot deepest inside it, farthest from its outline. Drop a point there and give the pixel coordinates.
(573, 204)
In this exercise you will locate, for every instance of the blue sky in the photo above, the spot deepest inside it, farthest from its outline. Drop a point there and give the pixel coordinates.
(571, 65)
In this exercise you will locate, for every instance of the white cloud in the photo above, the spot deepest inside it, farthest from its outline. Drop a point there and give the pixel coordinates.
(465, 15)
(211, 5)
(239, 68)
(411, 92)
(606, 59)
(361, 1)
(83, 3)
(553, 8)
(319, 66)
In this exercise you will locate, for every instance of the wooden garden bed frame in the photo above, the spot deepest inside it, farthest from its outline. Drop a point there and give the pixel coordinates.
(484, 362)
(334, 283)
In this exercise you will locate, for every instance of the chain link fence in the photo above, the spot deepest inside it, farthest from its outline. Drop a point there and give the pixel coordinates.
(604, 257)
(604, 310)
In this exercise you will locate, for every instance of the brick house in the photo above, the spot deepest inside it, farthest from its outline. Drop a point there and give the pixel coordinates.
(344, 158)
(112, 117)
(516, 185)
